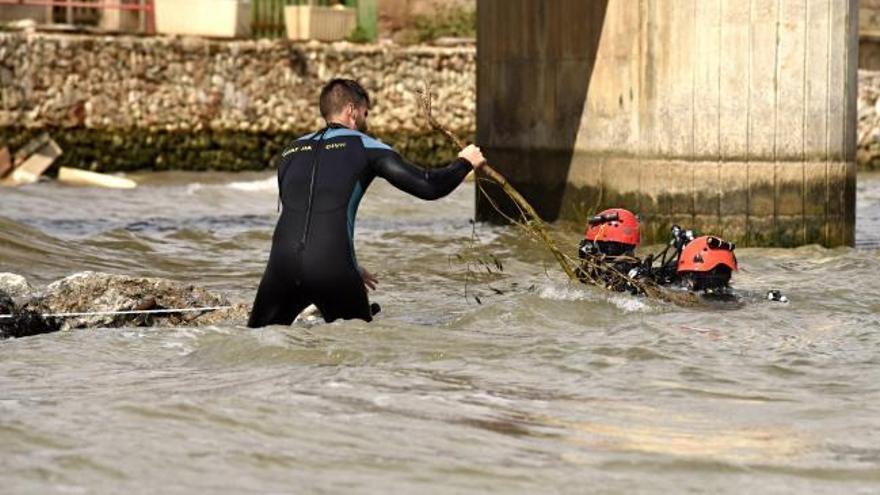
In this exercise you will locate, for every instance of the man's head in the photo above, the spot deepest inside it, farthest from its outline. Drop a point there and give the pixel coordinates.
(346, 102)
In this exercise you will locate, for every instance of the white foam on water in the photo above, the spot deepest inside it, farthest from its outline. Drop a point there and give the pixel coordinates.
(629, 303)
(625, 302)
(268, 184)
(564, 293)
(194, 188)
(310, 316)
(181, 348)
(336, 384)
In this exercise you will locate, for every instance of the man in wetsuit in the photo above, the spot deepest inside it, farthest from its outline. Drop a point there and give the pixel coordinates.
(321, 179)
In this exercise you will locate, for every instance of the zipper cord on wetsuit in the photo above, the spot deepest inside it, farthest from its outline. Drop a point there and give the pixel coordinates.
(302, 242)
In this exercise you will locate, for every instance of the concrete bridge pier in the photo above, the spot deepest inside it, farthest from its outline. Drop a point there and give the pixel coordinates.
(736, 117)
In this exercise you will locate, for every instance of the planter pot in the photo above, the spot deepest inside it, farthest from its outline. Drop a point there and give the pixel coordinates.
(306, 22)
(215, 18)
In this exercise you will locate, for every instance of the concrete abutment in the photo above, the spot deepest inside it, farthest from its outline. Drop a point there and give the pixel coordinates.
(735, 117)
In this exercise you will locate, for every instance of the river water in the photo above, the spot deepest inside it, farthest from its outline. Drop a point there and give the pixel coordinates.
(544, 387)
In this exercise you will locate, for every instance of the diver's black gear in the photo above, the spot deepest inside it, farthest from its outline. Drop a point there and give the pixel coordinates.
(776, 296)
(617, 256)
(716, 279)
(321, 179)
(608, 248)
(604, 218)
(717, 243)
(666, 271)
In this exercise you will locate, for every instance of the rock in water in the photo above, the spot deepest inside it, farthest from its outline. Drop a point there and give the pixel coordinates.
(90, 292)
(7, 307)
(21, 323)
(14, 285)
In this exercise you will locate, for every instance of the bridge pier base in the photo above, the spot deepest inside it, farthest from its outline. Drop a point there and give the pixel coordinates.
(737, 118)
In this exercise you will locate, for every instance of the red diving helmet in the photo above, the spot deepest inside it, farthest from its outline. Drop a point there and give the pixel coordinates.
(705, 253)
(706, 264)
(614, 225)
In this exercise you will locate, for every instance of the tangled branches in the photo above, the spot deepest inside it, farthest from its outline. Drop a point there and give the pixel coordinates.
(590, 269)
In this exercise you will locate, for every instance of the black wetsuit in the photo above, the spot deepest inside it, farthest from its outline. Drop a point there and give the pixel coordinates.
(321, 179)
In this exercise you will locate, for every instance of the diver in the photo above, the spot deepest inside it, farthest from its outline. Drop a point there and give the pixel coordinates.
(322, 177)
(703, 265)
(607, 252)
(700, 264)
(706, 265)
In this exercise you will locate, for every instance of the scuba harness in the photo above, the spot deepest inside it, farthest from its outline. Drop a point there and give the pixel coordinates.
(666, 271)
(701, 264)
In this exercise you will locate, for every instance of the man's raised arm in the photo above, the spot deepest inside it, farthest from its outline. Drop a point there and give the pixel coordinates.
(420, 182)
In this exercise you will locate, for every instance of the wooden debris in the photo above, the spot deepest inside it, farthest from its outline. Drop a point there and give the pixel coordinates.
(30, 148)
(32, 160)
(79, 177)
(529, 221)
(5, 162)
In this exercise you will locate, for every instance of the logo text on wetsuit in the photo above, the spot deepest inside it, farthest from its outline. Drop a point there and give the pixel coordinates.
(308, 147)
(305, 147)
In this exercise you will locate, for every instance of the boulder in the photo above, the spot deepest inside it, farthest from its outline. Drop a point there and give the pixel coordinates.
(92, 292)
(22, 323)
(14, 285)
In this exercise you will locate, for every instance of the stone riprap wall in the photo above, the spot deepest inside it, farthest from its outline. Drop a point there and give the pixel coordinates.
(868, 153)
(869, 34)
(125, 103)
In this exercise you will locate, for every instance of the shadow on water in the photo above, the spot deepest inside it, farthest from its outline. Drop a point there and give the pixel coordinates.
(514, 106)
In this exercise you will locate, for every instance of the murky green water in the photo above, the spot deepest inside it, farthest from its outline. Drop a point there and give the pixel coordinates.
(551, 388)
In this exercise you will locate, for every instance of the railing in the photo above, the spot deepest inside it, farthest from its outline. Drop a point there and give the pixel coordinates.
(145, 8)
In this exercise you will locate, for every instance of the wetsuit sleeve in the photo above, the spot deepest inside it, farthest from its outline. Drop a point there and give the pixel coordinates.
(420, 182)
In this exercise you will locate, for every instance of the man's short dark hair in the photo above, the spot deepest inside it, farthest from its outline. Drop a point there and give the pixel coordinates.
(340, 92)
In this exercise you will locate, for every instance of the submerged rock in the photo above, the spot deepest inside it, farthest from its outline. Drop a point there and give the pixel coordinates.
(14, 285)
(101, 294)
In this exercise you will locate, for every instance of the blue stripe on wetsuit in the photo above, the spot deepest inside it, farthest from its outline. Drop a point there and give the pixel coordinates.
(369, 142)
(356, 194)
